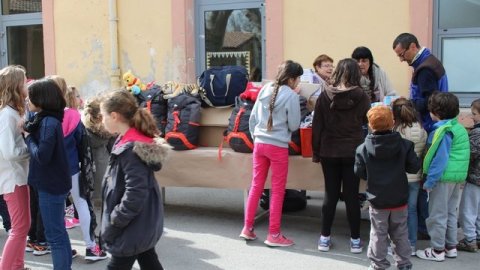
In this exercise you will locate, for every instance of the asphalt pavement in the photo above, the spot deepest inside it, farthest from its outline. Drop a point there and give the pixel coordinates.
(202, 227)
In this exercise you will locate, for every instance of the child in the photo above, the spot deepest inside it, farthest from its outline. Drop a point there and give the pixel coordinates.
(382, 160)
(14, 165)
(445, 166)
(72, 131)
(49, 170)
(101, 141)
(132, 198)
(406, 123)
(275, 115)
(470, 203)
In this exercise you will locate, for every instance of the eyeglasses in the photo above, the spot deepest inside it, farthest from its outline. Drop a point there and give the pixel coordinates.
(327, 66)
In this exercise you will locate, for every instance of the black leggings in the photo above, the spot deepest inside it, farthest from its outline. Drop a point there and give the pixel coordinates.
(147, 260)
(338, 172)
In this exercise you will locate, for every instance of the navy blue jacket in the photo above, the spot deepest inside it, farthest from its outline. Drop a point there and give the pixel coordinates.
(49, 169)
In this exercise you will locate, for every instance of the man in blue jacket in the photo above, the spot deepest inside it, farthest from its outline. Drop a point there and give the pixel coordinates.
(428, 74)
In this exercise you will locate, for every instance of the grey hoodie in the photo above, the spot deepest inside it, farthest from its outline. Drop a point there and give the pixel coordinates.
(286, 116)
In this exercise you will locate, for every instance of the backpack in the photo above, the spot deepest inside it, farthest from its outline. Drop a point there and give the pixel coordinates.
(220, 85)
(294, 200)
(183, 122)
(295, 146)
(237, 134)
(153, 100)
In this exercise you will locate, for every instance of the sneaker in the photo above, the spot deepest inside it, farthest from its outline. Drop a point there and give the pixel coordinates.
(71, 223)
(248, 234)
(431, 255)
(95, 254)
(278, 241)
(40, 249)
(356, 246)
(413, 251)
(69, 211)
(451, 252)
(324, 243)
(390, 250)
(465, 245)
(30, 246)
(74, 253)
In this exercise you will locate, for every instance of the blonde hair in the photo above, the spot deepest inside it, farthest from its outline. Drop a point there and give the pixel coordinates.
(71, 97)
(124, 103)
(12, 84)
(62, 84)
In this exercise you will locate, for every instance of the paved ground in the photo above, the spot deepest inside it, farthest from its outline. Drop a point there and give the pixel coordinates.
(201, 233)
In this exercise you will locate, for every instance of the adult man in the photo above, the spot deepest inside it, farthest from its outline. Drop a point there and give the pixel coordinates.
(428, 74)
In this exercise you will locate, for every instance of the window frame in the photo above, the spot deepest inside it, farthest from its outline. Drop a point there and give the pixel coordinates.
(465, 98)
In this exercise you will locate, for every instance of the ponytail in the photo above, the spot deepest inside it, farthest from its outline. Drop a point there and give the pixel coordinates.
(271, 106)
(404, 113)
(144, 122)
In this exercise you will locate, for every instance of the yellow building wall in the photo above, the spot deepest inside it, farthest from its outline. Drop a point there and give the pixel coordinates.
(336, 28)
(83, 47)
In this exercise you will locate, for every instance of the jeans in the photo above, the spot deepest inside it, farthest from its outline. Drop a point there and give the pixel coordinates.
(412, 222)
(339, 176)
(264, 157)
(422, 211)
(52, 208)
(147, 260)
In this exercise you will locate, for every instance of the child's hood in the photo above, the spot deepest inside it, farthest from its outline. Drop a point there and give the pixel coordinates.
(383, 146)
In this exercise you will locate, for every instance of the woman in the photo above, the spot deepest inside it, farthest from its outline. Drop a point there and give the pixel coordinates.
(323, 67)
(339, 115)
(374, 80)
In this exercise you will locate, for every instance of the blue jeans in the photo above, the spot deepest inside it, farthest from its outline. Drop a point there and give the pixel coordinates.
(52, 209)
(412, 222)
(422, 211)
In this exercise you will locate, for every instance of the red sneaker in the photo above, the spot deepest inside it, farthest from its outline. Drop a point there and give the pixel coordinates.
(278, 241)
(248, 234)
(71, 223)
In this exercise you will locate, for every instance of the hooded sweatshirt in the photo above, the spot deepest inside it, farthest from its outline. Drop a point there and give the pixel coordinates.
(286, 116)
(383, 159)
(337, 122)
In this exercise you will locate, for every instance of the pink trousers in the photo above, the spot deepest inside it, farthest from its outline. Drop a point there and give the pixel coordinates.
(18, 203)
(267, 156)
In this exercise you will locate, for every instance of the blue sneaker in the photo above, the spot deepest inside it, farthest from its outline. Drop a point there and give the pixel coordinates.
(356, 246)
(324, 243)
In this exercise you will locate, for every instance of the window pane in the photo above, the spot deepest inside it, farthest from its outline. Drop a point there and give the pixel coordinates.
(25, 47)
(462, 71)
(234, 37)
(459, 14)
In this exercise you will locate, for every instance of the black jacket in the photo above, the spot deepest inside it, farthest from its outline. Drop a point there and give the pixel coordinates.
(382, 160)
(132, 218)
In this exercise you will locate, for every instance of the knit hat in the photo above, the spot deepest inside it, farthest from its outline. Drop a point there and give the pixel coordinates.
(380, 118)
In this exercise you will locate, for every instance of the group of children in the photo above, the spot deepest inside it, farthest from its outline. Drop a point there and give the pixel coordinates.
(397, 159)
(45, 156)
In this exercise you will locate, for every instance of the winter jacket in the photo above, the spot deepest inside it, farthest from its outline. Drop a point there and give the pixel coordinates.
(474, 169)
(132, 220)
(286, 116)
(337, 122)
(428, 75)
(49, 169)
(383, 160)
(14, 154)
(448, 153)
(418, 136)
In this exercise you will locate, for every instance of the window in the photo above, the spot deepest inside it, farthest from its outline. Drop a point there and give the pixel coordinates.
(21, 35)
(231, 33)
(457, 42)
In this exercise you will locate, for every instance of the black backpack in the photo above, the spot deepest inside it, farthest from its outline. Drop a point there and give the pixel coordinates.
(220, 85)
(294, 200)
(183, 122)
(153, 100)
(295, 146)
(237, 134)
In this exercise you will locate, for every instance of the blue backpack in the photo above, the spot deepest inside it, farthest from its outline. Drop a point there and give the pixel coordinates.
(220, 85)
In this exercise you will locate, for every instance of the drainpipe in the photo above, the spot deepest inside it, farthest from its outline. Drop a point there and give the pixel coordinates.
(114, 68)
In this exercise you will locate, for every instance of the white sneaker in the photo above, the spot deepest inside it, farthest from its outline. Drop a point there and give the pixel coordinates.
(451, 253)
(413, 251)
(429, 254)
(324, 243)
